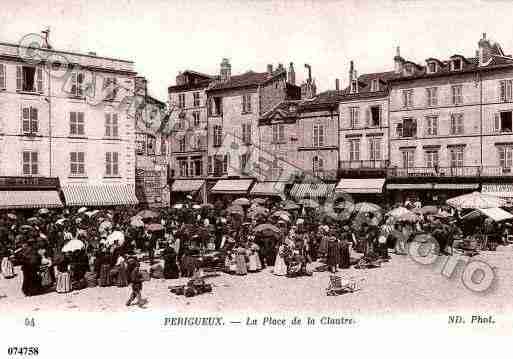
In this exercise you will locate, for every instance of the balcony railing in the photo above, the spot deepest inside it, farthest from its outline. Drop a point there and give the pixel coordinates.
(465, 171)
(365, 164)
(496, 171)
(11, 182)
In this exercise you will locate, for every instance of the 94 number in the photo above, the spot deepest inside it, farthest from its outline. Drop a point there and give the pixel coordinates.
(23, 351)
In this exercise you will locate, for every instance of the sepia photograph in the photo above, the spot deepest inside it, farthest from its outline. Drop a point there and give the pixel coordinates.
(254, 164)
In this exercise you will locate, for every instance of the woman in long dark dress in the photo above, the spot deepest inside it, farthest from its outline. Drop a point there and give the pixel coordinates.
(171, 270)
(333, 255)
(31, 279)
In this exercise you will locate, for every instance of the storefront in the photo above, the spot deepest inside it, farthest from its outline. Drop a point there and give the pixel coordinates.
(274, 190)
(99, 195)
(229, 189)
(360, 189)
(29, 193)
(181, 188)
(318, 192)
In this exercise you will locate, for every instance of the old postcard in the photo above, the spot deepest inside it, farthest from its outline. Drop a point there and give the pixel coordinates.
(321, 177)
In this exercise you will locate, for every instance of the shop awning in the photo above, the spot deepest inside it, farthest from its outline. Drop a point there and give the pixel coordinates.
(456, 186)
(503, 190)
(268, 189)
(29, 199)
(360, 185)
(497, 214)
(312, 190)
(413, 186)
(235, 186)
(99, 195)
(186, 185)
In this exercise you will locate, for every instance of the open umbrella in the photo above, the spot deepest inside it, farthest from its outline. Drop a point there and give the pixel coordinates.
(241, 201)
(33, 220)
(267, 229)
(257, 211)
(136, 221)
(26, 228)
(235, 209)
(308, 203)
(11, 216)
(196, 206)
(476, 200)
(82, 210)
(367, 207)
(426, 210)
(289, 205)
(73, 245)
(43, 211)
(145, 214)
(61, 221)
(114, 237)
(280, 213)
(154, 227)
(398, 212)
(178, 206)
(92, 213)
(104, 226)
(258, 200)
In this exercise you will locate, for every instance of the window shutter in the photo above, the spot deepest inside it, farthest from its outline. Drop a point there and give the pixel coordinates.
(39, 76)
(80, 84)
(2, 76)
(19, 78)
(367, 117)
(502, 91)
(33, 120)
(321, 135)
(81, 123)
(399, 130)
(243, 103)
(25, 119)
(281, 134)
(115, 132)
(496, 123)
(107, 125)
(73, 89)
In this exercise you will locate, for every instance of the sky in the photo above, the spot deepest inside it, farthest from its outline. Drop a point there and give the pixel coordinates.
(164, 37)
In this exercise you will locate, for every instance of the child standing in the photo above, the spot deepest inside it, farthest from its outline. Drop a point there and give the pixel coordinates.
(136, 282)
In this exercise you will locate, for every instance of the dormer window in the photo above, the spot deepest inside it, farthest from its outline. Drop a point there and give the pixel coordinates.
(431, 67)
(375, 85)
(409, 70)
(456, 65)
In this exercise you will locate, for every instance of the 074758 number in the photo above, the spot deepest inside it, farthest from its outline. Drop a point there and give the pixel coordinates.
(23, 351)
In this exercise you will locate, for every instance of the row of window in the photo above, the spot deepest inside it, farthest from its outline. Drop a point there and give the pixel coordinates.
(195, 100)
(77, 161)
(373, 117)
(432, 157)
(215, 105)
(375, 152)
(146, 144)
(408, 126)
(30, 122)
(30, 79)
(184, 123)
(432, 96)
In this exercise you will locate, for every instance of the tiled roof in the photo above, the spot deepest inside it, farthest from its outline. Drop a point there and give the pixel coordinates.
(249, 78)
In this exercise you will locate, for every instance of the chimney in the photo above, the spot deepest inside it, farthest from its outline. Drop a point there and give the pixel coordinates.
(226, 70)
(351, 72)
(485, 50)
(280, 68)
(308, 88)
(141, 86)
(309, 72)
(270, 69)
(46, 38)
(291, 76)
(337, 85)
(180, 79)
(398, 60)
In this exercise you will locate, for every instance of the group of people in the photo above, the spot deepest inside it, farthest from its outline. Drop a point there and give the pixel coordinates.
(174, 242)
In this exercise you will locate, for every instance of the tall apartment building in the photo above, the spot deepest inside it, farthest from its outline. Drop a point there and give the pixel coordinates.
(450, 124)
(151, 148)
(188, 134)
(235, 104)
(65, 119)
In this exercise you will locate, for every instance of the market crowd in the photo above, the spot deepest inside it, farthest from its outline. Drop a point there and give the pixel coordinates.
(75, 248)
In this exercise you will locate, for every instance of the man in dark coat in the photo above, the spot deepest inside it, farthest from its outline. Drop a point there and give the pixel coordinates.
(333, 257)
(30, 268)
(171, 270)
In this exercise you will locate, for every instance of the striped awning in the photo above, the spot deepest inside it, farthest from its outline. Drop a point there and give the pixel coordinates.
(409, 186)
(100, 195)
(232, 186)
(312, 190)
(29, 199)
(186, 185)
(268, 189)
(451, 186)
(360, 185)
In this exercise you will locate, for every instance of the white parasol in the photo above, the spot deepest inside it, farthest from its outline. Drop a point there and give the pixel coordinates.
(73, 245)
(115, 236)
